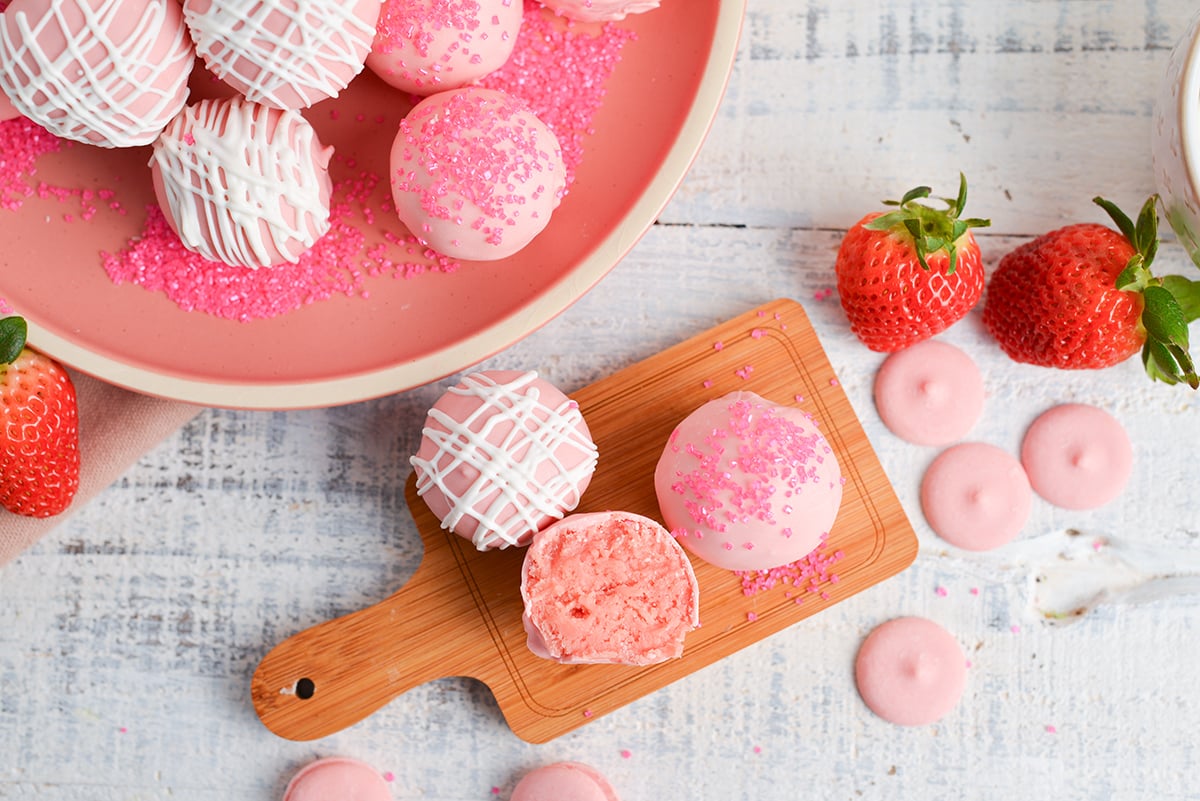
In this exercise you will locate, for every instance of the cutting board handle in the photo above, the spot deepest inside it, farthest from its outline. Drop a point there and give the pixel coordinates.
(330, 676)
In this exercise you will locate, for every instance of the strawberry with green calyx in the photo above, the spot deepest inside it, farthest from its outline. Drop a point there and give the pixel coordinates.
(906, 275)
(39, 428)
(1084, 297)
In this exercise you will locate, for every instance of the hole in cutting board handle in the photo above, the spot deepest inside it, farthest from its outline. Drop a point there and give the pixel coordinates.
(305, 688)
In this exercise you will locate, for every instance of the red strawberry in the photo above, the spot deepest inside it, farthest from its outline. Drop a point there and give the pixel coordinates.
(39, 428)
(1083, 297)
(906, 275)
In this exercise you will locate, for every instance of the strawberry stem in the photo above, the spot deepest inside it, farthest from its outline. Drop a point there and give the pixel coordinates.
(13, 332)
(931, 230)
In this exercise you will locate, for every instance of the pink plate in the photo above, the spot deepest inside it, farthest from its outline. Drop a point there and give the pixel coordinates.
(659, 104)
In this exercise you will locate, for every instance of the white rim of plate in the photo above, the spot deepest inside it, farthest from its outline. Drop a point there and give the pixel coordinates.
(1188, 105)
(480, 345)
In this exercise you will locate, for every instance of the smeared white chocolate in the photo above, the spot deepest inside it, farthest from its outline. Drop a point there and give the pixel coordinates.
(287, 54)
(506, 462)
(105, 72)
(242, 183)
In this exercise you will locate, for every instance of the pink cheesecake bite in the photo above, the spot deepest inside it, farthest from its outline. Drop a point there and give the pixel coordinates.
(503, 454)
(976, 496)
(599, 10)
(475, 174)
(910, 671)
(564, 781)
(110, 73)
(747, 484)
(337, 779)
(608, 587)
(929, 394)
(287, 54)
(1077, 456)
(243, 183)
(428, 46)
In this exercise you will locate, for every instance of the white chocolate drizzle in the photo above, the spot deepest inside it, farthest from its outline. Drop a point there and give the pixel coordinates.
(241, 189)
(507, 465)
(313, 55)
(98, 90)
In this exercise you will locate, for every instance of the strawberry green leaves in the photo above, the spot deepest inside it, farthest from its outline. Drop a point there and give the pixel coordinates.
(13, 332)
(1169, 304)
(932, 230)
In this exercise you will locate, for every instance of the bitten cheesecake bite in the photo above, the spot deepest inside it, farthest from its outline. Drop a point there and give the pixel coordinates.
(428, 46)
(242, 183)
(475, 174)
(747, 484)
(608, 587)
(503, 454)
(286, 54)
(599, 10)
(110, 73)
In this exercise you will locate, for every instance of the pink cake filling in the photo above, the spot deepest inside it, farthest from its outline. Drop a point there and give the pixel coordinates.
(337, 779)
(608, 587)
(747, 484)
(910, 671)
(563, 781)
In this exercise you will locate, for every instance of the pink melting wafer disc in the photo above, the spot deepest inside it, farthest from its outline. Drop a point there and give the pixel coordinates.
(929, 394)
(337, 779)
(910, 671)
(976, 496)
(564, 781)
(1077, 456)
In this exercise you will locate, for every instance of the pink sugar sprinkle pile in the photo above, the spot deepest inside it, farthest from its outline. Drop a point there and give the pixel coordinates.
(808, 574)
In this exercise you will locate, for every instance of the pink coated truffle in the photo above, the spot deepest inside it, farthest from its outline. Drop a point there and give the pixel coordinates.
(563, 781)
(242, 183)
(475, 174)
(337, 779)
(110, 73)
(910, 671)
(428, 46)
(287, 54)
(599, 10)
(503, 454)
(1077, 456)
(608, 587)
(747, 484)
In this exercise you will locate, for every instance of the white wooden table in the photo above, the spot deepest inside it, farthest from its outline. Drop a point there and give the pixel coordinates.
(128, 636)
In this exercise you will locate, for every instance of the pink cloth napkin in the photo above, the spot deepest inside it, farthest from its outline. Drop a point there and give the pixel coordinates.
(116, 427)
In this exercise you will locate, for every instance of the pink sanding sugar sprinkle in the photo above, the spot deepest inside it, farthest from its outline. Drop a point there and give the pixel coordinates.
(942, 592)
(744, 372)
(807, 573)
(1050, 729)
(22, 143)
(626, 753)
(389, 777)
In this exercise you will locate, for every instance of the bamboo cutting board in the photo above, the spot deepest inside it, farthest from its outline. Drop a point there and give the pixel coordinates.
(460, 614)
